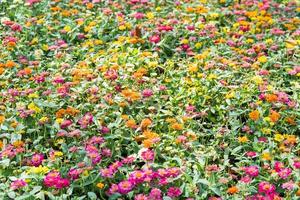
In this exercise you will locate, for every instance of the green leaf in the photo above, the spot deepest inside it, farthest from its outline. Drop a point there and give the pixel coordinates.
(35, 189)
(203, 181)
(216, 190)
(11, 194)
(114, 196)
(40, 195)
(92, 195)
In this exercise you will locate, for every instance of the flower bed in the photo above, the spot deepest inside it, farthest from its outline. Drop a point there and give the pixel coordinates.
(149, 99)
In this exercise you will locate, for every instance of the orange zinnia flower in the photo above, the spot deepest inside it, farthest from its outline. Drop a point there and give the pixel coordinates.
(100, 185)
(1, 70)
(147, 143)
(298, 193)
(290, 120)
(18, 144)
(232, 190)
(254, 115)
(2, 119)
(274, 116)
(131, 123)
(146, 122)
(60, 113)
(72, 111)
(177, 126)
(10, 64)
(271, 98)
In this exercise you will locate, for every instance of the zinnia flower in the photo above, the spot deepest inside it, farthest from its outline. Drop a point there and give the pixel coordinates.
(124, 187)
(254, 115)
(174, 192)
(252, 171)
(18, 184)
(148, 155)
(265, 187)
(37, 159)
(154, 39)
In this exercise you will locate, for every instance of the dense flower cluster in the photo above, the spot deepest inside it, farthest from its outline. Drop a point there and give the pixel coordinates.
(149, 99)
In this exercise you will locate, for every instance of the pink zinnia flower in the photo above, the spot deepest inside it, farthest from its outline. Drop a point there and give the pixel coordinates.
(128, 160)
(252, 171)
(62, 183)
(284, 173)
(278, 166)
(147, 93)
(154, 39)
(140, 197)
(251, 154)
(66, 123)
(31, 2)
(162, 87)
(173, 172)
(174, 192)
(18, 184)
(246, 179)
(105, 130)
(148, 155)
(53, 179)
(212, 168)
(111, 74)
(165, 28)
(16, 27)
(74, 173)
(113, 189)
(50, 178)
(139, 15)
(108, 173)
(163, 181)
(155, 194)
(288, 185)
(86, 120)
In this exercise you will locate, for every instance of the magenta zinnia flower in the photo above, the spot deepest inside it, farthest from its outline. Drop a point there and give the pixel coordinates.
(296, 165)
(37, 159)
(137, 176)
(266, 187)
(124, 187)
